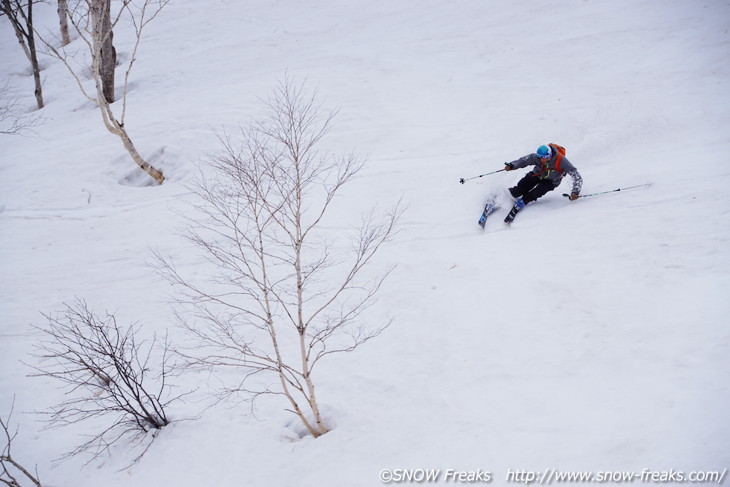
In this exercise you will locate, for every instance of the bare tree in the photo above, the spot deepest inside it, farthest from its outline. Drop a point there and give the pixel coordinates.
(12, 472)
(63, 21)
(282, 297)
(108, 372)
(21, 18)
(95, 22)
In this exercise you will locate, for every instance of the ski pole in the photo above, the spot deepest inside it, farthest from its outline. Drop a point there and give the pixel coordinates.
(462, 180)
(611, 191)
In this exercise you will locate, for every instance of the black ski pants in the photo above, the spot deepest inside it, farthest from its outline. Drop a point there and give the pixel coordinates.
(531, 188)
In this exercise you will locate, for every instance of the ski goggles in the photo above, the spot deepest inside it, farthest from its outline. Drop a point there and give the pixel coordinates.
(544, 152)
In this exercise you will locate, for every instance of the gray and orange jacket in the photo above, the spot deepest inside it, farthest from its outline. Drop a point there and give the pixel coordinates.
(554, 169)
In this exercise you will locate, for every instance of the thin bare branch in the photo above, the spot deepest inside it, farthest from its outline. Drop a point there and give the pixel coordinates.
(13, 119)
(10, 468)
(282, 296)
(108, 373)
(94, 21)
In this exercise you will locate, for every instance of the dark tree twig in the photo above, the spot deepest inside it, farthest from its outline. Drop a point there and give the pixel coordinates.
(12, 471)
(107, 372)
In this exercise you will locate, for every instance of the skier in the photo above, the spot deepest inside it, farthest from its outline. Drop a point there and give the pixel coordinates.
(551, 165)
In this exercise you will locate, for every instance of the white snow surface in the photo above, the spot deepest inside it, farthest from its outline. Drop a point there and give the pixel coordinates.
(591, 335)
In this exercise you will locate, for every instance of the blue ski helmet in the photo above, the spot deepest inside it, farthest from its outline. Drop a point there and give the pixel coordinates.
(544, 151)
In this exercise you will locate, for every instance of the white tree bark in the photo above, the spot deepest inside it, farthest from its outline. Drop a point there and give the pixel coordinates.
(278, 301)
(22, 22)
(8, 8)
(63, 21)
(95, 24)
(103, 47)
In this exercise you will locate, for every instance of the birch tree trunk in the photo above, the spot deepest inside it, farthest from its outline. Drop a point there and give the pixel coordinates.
(95, 23)
(103, 36)
(7, 9)
(63, 21)
(23, 26)
(149, 169)
(116, 127)
(34, 58)
(275, 273)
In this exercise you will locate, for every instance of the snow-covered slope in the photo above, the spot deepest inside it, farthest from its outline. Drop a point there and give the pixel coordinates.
(592, 335)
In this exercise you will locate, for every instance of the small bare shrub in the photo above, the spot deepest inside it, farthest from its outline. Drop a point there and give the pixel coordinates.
(108, 373)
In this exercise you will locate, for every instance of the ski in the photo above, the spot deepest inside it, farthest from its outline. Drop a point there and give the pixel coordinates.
(489, 208)
(513, 212)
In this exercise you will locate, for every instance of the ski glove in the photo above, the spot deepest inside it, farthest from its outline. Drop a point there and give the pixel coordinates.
(508, 166)
(573, 196)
